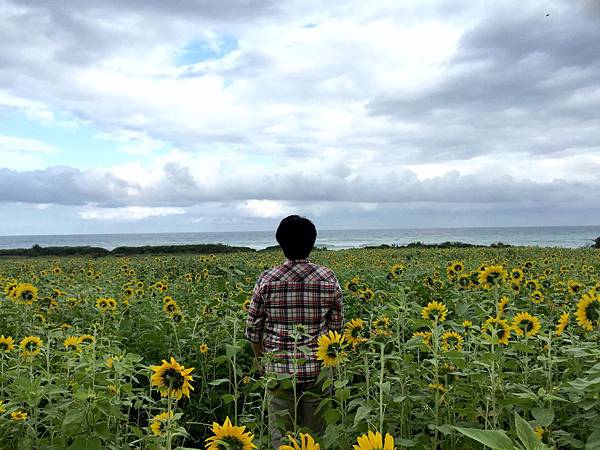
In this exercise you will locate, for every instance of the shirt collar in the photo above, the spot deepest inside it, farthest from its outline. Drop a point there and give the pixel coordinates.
(289, 262)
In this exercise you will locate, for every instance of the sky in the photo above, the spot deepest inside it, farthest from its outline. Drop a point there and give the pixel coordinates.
(183, 115)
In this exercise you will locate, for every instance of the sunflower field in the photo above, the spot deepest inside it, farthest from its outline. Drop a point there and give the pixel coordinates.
(441, 348)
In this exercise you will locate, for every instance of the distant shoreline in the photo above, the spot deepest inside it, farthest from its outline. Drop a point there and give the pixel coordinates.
(200, 249)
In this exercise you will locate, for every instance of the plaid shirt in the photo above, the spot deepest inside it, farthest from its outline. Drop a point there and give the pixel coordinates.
(296, 292)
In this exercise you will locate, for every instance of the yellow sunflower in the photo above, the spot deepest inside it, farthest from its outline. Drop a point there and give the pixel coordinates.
(7, 344)
(331, 349)
(434, 311)
(502, 305)
(353, 332)
(366, 294)
(30, 345)
(381, 326)
(306, 443)
(451, 340)
(228, 436)
(492, 276)
(203, 348)
(160, 423)
(25, 293)
(397, 269)
(562, 323)
(496, 330)
(106, 304)
(18, 415)
(172, 379)
(170, 307)
(574, 286)
(374, 441)
(246, 305)
(425, 335)
(524, 324)
(588, 311)
(72, 343)
(536, 297)
(86, 339)
(516, 275)
(467, 324)
(2, 407)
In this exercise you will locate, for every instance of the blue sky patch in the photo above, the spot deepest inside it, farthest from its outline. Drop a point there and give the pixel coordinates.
(202, 50)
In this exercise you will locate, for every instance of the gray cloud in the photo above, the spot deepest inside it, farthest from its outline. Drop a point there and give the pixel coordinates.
(177, 187)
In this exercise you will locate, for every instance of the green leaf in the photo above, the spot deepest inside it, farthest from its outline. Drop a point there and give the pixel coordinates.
(361, 414)
(543, 416)
(85, 443)
(73, 416)
(219, 381)
(497, 440)
(593, 441)
(525, 433)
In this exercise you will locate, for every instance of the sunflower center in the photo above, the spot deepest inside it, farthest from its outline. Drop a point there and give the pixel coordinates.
(593, 311)
(30, 345)
(3, 346)
(230, 443)
(334, 349)
(173, 378)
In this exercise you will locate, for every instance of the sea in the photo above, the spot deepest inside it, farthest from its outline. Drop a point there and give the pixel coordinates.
(555, 236)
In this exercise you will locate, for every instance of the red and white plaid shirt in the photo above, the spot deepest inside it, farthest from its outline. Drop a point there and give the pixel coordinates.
(297, 292)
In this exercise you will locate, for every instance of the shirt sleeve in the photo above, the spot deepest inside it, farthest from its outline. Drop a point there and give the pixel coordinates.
(336, 316)
(256, 316)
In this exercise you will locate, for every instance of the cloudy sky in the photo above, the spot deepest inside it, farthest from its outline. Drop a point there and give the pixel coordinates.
(190, 115)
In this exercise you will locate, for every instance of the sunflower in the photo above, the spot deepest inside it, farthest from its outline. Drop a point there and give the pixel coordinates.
(30, 345)
(502, 305)
(227, 436)
(374, 441)
(306, 443)
(353, 332)
(2, 407)
(161, 422)
(524, 324)
(464, 281)
(352, 285)
(18, 415)
(457, 266)
(331, 349)
(246, 305)
(434, 311)
(451, 340)
(562, 323)
(492, 276)
(381, 326)
(533, 284)
(574, 286)
(425, 335)
(588, 311)
(536, 297)
(516, 275)
(396, 270)
(7, 344)
(439, 387)
(496, 330)
(170, 307)
(203, 348)
(467, 324)
(106, 304)
(172, 379)
(25, 293)
(540, 432)
(72, 343)
(366, 294)
(86, 339)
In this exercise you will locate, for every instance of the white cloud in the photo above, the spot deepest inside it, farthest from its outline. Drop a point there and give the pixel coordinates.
(128, 213)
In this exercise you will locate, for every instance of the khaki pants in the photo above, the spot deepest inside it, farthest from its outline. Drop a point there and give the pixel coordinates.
(281, 411)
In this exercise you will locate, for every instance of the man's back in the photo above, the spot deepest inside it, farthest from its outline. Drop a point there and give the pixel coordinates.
(297, 292)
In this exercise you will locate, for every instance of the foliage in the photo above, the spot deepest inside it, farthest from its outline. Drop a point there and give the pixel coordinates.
(430, 380)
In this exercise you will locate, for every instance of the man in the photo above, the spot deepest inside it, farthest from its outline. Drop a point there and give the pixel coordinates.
(296, 293)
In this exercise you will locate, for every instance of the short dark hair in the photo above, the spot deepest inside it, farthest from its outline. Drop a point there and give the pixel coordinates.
(297, 236)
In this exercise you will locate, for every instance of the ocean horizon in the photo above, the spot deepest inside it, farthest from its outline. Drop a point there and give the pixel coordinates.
(547, 236)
